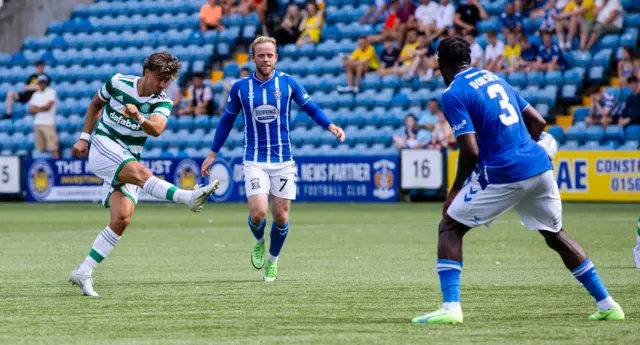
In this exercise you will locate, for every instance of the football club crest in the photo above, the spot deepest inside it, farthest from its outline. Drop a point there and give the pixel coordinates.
(277, 94)
(255, 183)
(384, 179)
(40, 179)
(187, 174)
(145, 108)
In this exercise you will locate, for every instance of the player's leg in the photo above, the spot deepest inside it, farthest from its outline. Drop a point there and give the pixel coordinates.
(257, 185)
(542, 210)
(636, 250)
(472, 207)
(121, 209)
(12, 96)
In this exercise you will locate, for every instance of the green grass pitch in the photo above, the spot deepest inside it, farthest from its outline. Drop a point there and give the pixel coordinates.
(349, 274)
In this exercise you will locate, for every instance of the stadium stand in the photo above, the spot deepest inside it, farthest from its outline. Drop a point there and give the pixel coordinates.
(112, 36)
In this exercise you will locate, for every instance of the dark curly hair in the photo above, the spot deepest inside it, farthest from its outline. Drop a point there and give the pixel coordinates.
(454, 53)
(164, 64)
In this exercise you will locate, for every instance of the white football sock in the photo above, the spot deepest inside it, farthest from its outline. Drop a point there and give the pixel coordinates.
(102, 246)
(451, 306)
(272, 258)
(164, 190)
(606, 304)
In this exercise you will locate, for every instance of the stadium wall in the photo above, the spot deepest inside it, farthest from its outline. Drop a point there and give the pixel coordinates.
(22, 18)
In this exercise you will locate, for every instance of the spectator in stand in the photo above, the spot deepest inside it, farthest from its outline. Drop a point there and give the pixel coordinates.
(429, 119)
(609, 18)
(43, 105)
(511, 20)
(391, 27)
(201, 102)
(577, 14)
(377, 9)
(512, 53)
(631, 115)
(550, 56)
(389, 58)
(477, 54)
(528, 55)
(493, 53)
(228, 7)
(442, 135)
(175, 95)
(31, 86)
(527, 6)
(406, 15)
(407, 52)
(467, 16)
(408, 140)
(289, 29)
(628, 66)
(424, 62)
(362, 60)
(211, 16)
(427, 16)
(444, 22)
(549, 12)
(605, 109)
(312, 25)
(244, 72)
(266, 9)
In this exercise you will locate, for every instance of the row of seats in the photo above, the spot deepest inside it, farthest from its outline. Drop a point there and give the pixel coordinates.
(580, 136)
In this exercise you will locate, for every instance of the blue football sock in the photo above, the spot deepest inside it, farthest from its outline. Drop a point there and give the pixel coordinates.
(587, 275)
(257, 230)
(449, 273)
(278, 235)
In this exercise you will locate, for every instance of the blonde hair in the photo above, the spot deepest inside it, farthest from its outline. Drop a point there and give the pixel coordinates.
(263, 39)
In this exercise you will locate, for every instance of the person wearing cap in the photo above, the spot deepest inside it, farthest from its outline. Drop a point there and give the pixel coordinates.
(201, 95)
(43, 105)
(30, 87)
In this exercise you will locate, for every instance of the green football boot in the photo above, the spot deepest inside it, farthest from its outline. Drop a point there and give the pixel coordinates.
(271, 271)
(257, 255)
(613, 314)
(440, 317)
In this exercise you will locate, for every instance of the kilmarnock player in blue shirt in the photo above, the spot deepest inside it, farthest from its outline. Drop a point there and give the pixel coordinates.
(265, 100)
(497, 130)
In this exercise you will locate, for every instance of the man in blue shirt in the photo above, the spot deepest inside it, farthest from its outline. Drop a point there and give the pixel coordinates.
(511, 20)
(550, 55)
(497, 130)
(265, 98)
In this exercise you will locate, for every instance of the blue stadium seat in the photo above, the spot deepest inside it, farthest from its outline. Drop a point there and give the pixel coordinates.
(558, 133)
(629, 145)
(517, 79)
(590, 146)
(575, 133)
(574, 76)
(580, 114)
(554, 78)
(580, 59)
(597, 74)
(614, 133)
(629, 38)
(632, 132)
(594, 133)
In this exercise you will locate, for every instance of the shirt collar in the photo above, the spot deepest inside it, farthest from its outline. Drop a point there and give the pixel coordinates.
(253, 75)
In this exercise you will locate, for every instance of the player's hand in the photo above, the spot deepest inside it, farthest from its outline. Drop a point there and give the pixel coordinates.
(80, 149)
(207, 163)
(132, 111)
(337, 132)
(447, 202)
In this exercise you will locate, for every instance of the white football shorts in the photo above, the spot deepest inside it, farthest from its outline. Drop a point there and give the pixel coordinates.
(106, 159)
(278, 179)
(536, 200)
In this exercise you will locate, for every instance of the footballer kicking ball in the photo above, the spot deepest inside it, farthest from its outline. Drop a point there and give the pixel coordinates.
(549, 143)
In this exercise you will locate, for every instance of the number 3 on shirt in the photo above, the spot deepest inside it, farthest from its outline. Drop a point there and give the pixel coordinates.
(496, 90)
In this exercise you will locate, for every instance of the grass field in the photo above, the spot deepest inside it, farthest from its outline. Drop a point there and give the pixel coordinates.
(349, 274)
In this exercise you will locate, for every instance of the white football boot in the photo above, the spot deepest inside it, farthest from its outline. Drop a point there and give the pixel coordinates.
(200, 195)
(84, 281)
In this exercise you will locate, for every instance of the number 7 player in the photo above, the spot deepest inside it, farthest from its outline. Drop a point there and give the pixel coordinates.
(495, 129)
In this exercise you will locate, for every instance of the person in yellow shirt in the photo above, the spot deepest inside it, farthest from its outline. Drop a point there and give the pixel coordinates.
(362, 60)
(577, 13)
(311, 26)
(511, 53)
(409, 48)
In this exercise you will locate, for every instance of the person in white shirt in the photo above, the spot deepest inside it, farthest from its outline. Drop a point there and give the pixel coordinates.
(609, 19)
(444, 21)
(201, 98)
(477, 54)
(427, 15)
(493, 53)
(43, 105)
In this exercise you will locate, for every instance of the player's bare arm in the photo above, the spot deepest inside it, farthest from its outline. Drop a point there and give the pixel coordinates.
(337, 132)
(81, 147)
(154, 125)
(466, 163)
(534, 121)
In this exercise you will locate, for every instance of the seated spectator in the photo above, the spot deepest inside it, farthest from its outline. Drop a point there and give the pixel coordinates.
(477, 54)
(406, 16)
(389, 58)
(362, 60)
(375, 12)
(445, 20)
(442, 135)
(493, 53)
(631, 114)
(577, 14)
(527, 6)
(605, 109)
(407, 52)
(228, 7)
(424, 62)
(289, 29)
(549, 13)
(429, 119)
(267, 9)
(427, 16)
(43, 105)
(30, 87)
(512, 53)
(391, 26)
(609, 20)
(528, 55)
(511, 20)
(311, 26)
(550, 56)
(201, 101)
(211, 16)
(628, 66)
(244, 72)
(408, 140)
(467, 16)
